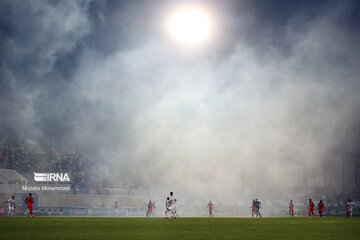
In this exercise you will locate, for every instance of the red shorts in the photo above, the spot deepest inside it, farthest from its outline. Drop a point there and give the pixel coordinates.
(291, 210)
(30, 207)
(312, 210)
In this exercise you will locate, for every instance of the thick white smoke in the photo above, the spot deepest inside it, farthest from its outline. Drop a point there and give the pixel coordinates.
(249, 121)
(238, 115)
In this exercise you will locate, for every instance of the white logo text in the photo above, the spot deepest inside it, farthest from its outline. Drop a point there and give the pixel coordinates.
(51, 177)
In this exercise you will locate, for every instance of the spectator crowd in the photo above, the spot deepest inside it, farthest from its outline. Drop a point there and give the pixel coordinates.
(87, 173)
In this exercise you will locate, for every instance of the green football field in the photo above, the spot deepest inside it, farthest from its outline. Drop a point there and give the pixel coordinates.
(183, 228)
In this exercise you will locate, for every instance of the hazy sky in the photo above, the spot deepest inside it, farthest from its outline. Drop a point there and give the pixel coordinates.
(278, 81)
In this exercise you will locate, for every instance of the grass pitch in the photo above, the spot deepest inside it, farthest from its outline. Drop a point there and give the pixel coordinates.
(182, 228)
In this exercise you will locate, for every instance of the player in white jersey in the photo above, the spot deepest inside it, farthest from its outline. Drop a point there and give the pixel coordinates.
(116, 208)
(172, 203)
(167, 207)
(12, 206)
(174, 209)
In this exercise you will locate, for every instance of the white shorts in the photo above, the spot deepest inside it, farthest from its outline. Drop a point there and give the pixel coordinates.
(11, 209)
(173, 208)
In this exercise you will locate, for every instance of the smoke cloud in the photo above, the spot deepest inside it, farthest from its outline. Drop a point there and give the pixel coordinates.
(261, 106)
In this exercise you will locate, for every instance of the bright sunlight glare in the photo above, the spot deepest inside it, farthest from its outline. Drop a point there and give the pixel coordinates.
(190, 26)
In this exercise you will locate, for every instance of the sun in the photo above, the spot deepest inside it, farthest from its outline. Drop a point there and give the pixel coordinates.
(190, 26)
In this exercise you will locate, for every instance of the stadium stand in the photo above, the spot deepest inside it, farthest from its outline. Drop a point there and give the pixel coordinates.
(27, 156)
(11, 176)
(95, 187)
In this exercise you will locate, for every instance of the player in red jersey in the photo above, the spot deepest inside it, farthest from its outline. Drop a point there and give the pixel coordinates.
(253, 208)
(321, 208)
(149, 211)
(349, 208)
(291, 208)
(29, 201)
(210, 207)
(311, 208)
